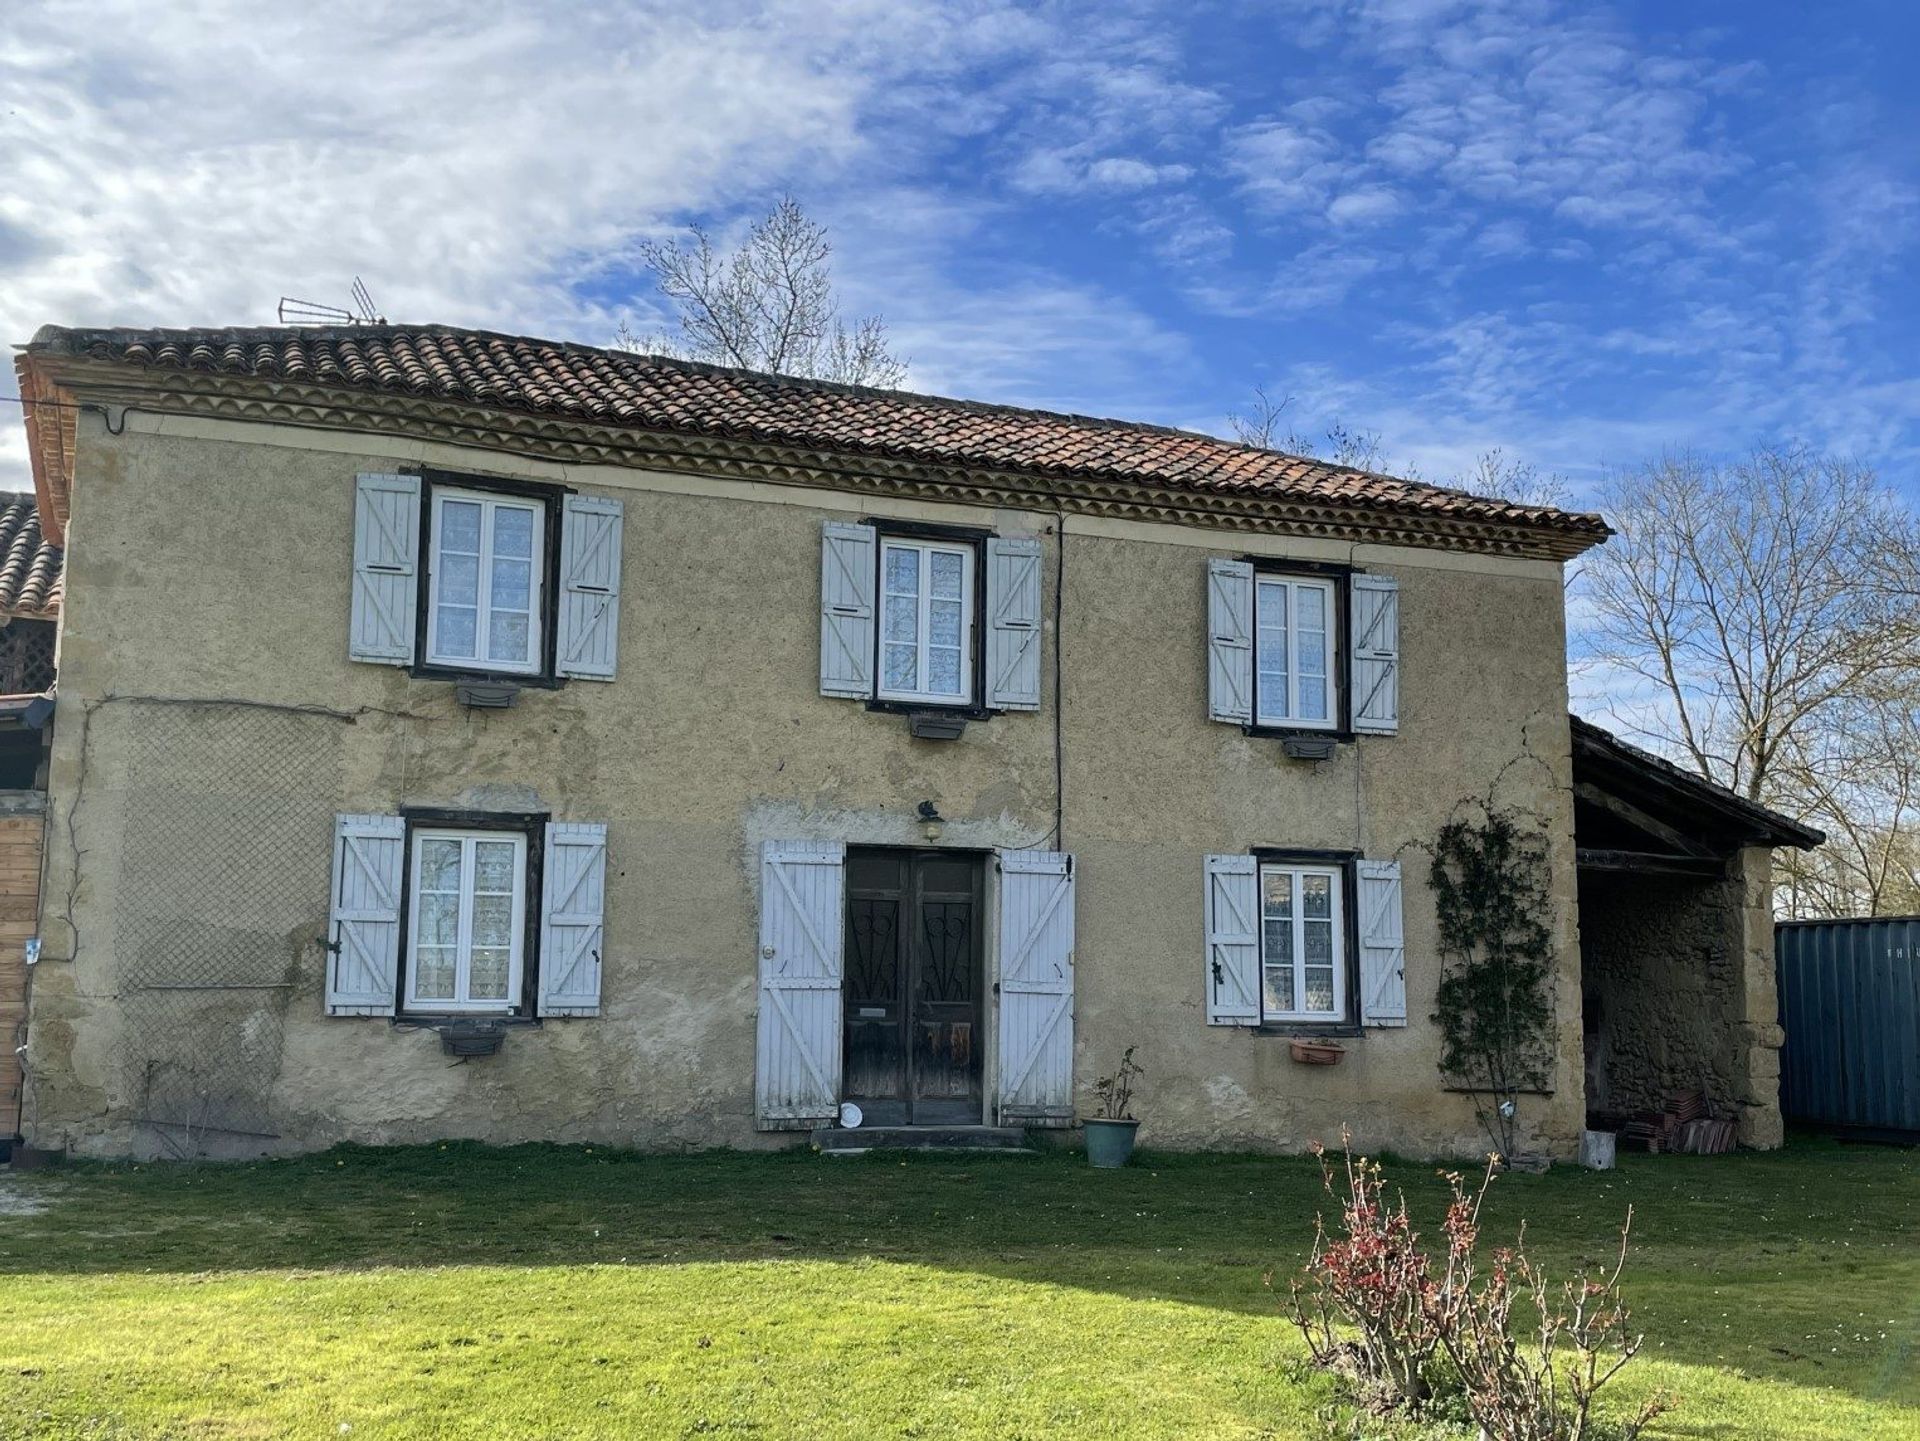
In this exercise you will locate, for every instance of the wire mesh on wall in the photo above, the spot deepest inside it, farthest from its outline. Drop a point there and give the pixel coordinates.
(225, 866)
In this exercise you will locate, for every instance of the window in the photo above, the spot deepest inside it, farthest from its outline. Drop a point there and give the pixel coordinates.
(1296, 678)
(466, 942)
(484, 608)
(926, 621)
(1303, 964)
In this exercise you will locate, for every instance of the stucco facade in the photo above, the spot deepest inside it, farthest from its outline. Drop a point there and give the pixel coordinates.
(210, 725)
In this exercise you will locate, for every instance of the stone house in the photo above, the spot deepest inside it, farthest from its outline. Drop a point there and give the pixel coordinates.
(467, 735)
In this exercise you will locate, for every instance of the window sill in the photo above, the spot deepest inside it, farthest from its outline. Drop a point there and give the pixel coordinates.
(958, 712)
(434, 1019)
(1298, 1030)
(524, 679)
(1274, 732)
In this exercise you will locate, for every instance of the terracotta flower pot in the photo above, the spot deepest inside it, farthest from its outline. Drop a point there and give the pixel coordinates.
(1316, 1053)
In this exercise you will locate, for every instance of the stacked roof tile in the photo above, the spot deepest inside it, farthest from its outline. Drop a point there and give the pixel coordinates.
(30, 568)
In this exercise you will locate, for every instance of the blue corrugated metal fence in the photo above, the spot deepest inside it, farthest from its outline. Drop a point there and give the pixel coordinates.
(1850, 1002)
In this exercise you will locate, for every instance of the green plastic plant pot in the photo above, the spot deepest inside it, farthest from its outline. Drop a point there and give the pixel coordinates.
(1110, 1143)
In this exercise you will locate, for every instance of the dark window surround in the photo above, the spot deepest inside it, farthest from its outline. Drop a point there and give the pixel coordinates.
(977, 537)
(1341, 575)
(1348, 864)
(534, 828)
(553, 497)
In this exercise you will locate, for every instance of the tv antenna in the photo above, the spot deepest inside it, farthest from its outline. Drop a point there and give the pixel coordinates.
(313, 312)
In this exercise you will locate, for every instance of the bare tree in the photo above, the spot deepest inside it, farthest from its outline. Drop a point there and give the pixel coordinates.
(769, 305)
(1858, 777)
(1262, 425)
(1500, 476)
(1754, 599)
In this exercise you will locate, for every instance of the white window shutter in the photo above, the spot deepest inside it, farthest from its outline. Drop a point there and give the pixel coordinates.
(1013, 623)
(1034, 1082)
(589, 620)
(386, 560)
(573, 899)
(799, 1033)
(847, 577)
(1375, 607)
(1230, 641)
(1383, 951)
(1233, 941)
(363, 942)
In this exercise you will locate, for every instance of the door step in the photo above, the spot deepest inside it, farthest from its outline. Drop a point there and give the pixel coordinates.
(842, 1141)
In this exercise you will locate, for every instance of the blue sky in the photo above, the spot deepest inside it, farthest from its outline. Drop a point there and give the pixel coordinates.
(1578, 232)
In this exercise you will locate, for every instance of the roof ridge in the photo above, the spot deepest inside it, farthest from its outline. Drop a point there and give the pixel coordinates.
(647, 390)
(44, 337)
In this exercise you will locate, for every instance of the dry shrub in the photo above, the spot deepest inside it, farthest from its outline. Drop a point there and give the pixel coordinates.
(1404, 1331)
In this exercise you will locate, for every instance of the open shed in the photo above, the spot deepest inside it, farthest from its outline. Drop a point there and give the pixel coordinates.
(1676, 937)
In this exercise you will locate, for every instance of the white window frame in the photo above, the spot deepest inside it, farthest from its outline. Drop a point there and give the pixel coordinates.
(490, 504)
(969, 641)
(1293, 585)
(463, 945)
(1337, 912)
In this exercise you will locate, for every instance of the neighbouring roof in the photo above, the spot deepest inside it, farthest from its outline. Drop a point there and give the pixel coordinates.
(645, 393)
(30, 567)
(1677, 796)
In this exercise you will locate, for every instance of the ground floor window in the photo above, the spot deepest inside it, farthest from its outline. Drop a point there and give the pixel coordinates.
(467, 941)
(1303, 959)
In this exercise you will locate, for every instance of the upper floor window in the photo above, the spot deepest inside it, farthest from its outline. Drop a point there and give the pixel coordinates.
(1302, 646)
(484, 581)
(1303, 967)
(1295, 671)
(926, 621)
(460, 575)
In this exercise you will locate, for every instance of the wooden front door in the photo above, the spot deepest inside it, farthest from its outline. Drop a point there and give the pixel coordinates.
(914, 976)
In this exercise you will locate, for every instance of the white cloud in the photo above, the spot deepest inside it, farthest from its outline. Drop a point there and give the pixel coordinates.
(1501, 239)
(490, 165)
(1284, 167)
(1369, 205)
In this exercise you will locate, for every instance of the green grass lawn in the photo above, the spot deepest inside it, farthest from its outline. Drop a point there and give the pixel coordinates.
(537, 1291)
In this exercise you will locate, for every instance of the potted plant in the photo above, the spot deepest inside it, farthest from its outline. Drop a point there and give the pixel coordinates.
(1110, 1131)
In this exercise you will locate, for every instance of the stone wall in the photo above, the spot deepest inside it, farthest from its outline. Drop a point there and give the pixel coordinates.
(1678, 992)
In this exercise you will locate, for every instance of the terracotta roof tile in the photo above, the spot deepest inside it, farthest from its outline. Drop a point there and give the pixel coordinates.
(30, 568)
(653, 393)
